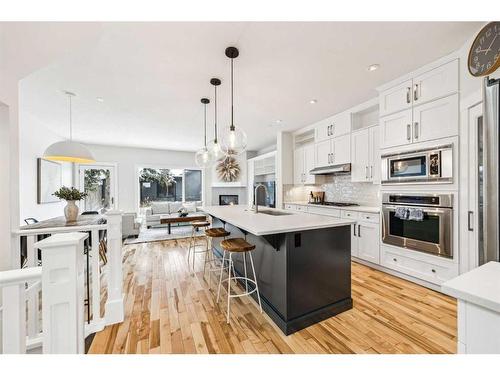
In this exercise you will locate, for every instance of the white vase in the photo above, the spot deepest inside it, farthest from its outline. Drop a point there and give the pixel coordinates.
(71, 211)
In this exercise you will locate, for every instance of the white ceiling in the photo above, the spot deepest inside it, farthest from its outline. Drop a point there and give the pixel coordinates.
(152, 76)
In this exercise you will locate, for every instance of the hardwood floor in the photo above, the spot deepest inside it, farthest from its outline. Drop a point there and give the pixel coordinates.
(170, 310)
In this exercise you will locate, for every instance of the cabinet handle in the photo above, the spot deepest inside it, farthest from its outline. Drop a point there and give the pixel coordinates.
(333, 158)
(415, 130)
(469, 221)
(366, 172)
(371, 171)
(408, 132)
(355, 235)
(415, 92)
(328, 131)
(359, 230)
(408, 97)
(433, 270)
(333, 128)
(394, 259)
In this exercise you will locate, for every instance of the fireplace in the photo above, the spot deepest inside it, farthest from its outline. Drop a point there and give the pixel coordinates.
(228, 199)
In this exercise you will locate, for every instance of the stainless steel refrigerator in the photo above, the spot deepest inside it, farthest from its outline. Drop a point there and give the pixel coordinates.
(489, 200)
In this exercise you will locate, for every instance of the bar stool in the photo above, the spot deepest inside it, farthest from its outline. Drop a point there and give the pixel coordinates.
(238, 245)
(192, 242)
(212, 233)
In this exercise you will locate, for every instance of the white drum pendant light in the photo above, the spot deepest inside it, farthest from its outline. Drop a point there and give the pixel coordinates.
(203, 157)
(233, 141)
(69, 151)
(214, 146)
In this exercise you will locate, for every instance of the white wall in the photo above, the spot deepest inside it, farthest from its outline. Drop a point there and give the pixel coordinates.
(130, 159)
(4, 187)
(34, 139)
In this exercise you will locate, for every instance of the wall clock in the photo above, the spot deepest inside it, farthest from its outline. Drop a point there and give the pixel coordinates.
(484, 54)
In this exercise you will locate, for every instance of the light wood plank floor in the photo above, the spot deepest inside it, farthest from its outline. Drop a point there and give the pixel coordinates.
(170, 310)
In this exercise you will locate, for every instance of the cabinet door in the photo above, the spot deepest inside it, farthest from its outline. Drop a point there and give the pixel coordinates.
(396, 98)
(323, 151)
(436, 83)
(340, 124)
(354, 240)
(298, 166)
(309, 164)
(322, 130)
(360, 155)
(436, 119)
(368, 242)
(341, 149)
(396, 129)
(375, 160)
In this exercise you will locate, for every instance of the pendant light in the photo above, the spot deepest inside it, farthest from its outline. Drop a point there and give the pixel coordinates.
(203, 157)
(214, 145)
(69, 151)
(233, 141)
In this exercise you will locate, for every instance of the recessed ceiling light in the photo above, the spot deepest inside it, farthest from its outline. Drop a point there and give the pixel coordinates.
(313, 101)
(99, 99)
(279, 121)
(373, 67)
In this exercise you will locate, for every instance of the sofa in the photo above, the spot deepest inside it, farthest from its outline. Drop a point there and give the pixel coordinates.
(158, 209)
(131, 224)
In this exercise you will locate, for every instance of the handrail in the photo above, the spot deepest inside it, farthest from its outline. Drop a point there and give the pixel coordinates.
(49, 230)
(17, 276)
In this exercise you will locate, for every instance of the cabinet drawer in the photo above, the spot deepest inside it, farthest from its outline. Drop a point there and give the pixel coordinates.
(350, 215)
(323, 211)
(369, 217)
(432, 272)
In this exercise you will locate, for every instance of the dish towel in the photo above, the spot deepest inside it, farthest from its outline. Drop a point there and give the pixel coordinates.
(416, 214)
(401, 213)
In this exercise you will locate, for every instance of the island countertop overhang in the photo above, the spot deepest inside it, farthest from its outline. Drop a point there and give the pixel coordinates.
(261, 224)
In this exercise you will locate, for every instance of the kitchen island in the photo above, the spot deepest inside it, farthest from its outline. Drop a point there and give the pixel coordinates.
(302, 261)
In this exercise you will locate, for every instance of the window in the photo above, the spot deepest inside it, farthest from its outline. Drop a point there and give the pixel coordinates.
(169, 185)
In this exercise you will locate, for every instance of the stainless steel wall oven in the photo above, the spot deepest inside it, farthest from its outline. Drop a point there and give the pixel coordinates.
(431, 232)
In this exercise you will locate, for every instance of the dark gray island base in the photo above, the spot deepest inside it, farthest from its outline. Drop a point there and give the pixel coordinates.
(304, 277)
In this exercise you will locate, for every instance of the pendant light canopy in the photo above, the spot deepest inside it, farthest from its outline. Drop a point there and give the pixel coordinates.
(214, 145)
(233, 140)
(203, 157)
(69, 151)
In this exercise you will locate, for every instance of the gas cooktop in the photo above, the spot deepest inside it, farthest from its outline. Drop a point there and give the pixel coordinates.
(338, 204)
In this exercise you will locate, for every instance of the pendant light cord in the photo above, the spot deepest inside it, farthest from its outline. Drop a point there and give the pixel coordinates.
(70, 121)
(232, 111)
(205, 113)
(215, 105)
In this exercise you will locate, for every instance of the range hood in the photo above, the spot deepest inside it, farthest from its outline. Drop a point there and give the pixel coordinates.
(332, 169)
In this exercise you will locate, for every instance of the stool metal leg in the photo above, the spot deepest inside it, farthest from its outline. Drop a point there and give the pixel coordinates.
(229, 288)
(255, 280)
(221, 272)
(190, 245)
(245, 269)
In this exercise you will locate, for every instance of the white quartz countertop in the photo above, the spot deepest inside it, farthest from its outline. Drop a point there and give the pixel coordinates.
(481, 286)
(262, 224)
(370, 209)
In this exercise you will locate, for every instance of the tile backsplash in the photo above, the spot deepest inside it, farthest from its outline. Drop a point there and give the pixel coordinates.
(339, 189)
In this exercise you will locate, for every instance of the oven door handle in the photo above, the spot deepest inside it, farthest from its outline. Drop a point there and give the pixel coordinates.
(469, 221)
(427, 210)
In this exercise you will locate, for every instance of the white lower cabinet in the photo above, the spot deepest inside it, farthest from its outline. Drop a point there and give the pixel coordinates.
(365, 235)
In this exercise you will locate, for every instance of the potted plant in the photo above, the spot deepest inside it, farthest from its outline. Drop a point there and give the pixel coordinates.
(70, 195)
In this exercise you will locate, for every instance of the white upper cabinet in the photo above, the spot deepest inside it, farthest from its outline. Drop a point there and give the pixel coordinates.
(436, 119)
(334, 126)
(298, 166)
(435, 83)
(303, 162)
(341, 149)
(323, 153)
(365, 155)
(396, 98)
(309, 164)
(360, 155)
(396, 129)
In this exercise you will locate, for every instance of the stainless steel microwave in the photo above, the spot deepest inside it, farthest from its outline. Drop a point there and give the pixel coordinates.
(424, 165)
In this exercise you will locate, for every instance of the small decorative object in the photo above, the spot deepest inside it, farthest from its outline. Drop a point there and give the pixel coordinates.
(228, 169)
(484, 56)
(70, 195)
(183, 212)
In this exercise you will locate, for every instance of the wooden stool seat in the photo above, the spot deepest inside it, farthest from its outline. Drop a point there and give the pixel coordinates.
(217, 232)
(236, 245)
(200, 224)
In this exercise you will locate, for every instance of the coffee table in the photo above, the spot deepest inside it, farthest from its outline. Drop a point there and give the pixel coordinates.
(175, 218)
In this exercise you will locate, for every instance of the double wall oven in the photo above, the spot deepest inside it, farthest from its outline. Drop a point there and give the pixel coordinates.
(430, 231)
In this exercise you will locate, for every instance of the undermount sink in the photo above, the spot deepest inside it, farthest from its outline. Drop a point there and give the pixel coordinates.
(274, 213)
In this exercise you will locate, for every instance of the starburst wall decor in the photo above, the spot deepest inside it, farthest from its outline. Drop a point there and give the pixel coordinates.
(228, 169)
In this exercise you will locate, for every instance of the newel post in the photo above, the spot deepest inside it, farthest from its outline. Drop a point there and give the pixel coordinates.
(114, 305)
(63, 293)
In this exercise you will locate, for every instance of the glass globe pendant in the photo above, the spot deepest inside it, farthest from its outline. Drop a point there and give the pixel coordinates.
(203, 158)
(233, 141)
(214, 146)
